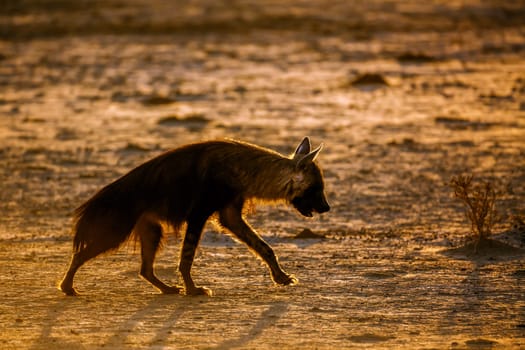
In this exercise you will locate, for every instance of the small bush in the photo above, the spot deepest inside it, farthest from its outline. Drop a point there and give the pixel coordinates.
(480, 202)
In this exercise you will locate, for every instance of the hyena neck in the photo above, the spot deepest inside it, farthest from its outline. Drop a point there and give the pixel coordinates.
(270, 178)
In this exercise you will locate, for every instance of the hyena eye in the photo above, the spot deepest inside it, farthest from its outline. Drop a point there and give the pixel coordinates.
(313, 189)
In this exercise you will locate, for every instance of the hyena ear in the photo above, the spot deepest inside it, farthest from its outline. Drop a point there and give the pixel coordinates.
(310, 157)
(303, 149)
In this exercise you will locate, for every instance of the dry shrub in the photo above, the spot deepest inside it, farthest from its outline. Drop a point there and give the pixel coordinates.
(479, 199)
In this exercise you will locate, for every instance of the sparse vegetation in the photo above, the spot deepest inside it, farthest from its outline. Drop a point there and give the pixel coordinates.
(480, 201)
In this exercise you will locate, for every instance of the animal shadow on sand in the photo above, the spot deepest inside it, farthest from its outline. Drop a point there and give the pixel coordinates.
(161, 314)
(158, 305)
(189, 306)
(46, 339)
(267, 319)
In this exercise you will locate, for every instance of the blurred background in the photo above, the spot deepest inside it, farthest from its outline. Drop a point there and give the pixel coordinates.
(404, 94)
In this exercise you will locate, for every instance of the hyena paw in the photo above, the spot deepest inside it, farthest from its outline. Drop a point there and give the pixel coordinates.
(285, 279)
(199, 291)
(70, 291)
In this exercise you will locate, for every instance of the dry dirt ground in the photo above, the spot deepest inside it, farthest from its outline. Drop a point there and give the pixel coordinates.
(404, 95)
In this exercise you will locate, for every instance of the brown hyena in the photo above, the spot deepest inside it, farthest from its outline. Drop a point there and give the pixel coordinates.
(186, 186)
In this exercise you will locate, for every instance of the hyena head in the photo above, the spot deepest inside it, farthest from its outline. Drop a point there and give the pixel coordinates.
(307, 189)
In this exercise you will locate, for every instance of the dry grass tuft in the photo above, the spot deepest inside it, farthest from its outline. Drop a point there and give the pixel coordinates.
(480, 202)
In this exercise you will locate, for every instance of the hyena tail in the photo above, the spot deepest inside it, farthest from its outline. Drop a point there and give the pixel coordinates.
(105, 221)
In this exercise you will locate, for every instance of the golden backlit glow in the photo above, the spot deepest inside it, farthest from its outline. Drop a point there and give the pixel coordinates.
(403, 94)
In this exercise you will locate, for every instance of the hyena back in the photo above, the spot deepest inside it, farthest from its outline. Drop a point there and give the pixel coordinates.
(188, 185)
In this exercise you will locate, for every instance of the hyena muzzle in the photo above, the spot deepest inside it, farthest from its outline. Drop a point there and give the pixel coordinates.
(186, 186)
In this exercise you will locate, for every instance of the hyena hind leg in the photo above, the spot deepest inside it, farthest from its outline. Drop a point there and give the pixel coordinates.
(85, 253)
(95, 234)
(149, 232)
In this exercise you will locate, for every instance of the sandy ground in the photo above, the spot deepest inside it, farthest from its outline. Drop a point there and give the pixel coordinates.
(90, 89)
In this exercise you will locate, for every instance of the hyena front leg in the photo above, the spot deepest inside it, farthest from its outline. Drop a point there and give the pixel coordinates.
(189, 246)
(231, 218)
